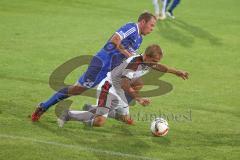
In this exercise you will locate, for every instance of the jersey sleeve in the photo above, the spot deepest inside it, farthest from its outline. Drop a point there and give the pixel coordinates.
(126, 30)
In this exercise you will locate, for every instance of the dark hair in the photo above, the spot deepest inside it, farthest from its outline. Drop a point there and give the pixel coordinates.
(146, 16)
(153, 50)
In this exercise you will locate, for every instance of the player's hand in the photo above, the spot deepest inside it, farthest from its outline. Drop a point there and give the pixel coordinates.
(183, 74)
(143, 101)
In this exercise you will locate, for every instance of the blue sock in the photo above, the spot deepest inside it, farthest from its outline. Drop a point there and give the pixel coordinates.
(174, 4)
(60, 95)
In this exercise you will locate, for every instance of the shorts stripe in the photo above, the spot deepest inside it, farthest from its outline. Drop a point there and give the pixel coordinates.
(103, 94)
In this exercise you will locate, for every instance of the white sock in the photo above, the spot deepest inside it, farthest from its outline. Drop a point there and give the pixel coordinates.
(92, 107)
(164, 4)
(89, 123)
(156, 7)
(81, 115)
(111, 114)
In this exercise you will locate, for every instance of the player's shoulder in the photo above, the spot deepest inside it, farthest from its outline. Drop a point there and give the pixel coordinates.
(134, 62)
(130, 25)
(134, 58)
(127, 30)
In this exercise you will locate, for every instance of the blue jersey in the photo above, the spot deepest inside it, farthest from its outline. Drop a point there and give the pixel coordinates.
(130, 37)
(109, 56)
(130, 40)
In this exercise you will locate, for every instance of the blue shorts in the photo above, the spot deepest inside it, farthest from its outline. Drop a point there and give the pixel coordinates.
(98, 68)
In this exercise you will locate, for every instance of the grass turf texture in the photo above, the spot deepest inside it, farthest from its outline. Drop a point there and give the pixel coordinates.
(37, 36)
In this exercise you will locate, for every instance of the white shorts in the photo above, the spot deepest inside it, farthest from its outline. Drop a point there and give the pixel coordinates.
(108, 98)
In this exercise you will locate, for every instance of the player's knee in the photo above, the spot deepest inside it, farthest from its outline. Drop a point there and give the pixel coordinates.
(99, 121)
(137, 85)
(138, 88)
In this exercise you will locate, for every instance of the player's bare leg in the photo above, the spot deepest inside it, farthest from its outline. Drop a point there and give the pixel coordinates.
(156, 8)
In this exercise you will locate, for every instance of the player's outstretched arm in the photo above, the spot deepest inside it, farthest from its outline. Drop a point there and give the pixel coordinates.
(163, 68)
(117, 41)
(125, 84)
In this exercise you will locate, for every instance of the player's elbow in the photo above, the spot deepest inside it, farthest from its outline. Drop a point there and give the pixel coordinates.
(116, 40)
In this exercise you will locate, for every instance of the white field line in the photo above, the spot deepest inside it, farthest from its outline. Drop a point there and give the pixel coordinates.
(78, 147)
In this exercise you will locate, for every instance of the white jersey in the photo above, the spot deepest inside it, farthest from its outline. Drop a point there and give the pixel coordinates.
(110, 95)
(131, 68)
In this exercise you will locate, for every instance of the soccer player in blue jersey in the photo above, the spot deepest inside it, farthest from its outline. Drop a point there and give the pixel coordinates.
(123, 44)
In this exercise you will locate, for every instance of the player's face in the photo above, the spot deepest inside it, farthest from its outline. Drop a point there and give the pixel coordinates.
(148, 26)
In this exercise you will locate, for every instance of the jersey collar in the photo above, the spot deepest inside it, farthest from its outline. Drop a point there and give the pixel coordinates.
(138, 28)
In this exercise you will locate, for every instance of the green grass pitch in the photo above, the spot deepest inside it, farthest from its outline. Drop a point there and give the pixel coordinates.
(37, 36)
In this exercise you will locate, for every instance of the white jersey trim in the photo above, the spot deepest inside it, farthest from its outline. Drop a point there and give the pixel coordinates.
(138, 28)
(121, 37)
(130, 31)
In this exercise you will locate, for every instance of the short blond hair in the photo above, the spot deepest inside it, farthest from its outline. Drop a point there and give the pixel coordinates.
(153, 50)
(147, 16)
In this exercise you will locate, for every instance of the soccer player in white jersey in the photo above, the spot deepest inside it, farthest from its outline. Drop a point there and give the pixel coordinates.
(111, 90)
(161, 16)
